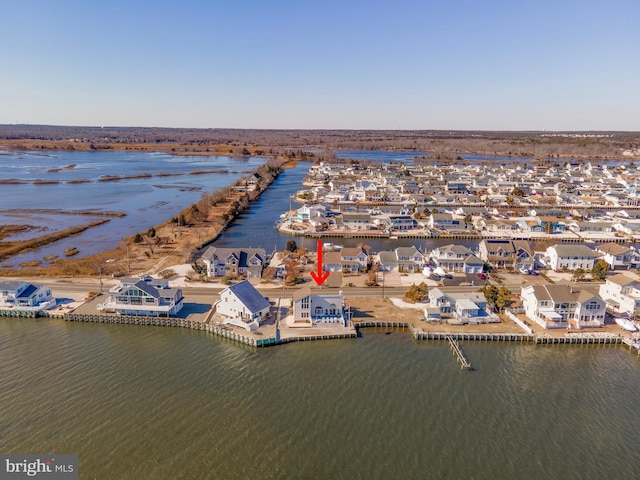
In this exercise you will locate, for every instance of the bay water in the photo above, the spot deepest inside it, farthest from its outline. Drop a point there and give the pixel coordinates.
(139, 402)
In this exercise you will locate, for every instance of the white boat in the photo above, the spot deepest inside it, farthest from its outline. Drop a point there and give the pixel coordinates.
(440, 271)
(426, 271)
(626, 324)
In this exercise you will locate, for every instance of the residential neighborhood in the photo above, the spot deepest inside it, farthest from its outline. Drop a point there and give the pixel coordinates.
(578, 201)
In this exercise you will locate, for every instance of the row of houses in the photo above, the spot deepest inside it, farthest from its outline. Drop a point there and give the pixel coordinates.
(550, 306)
(497, 198)
(584, 183)
(496, 253)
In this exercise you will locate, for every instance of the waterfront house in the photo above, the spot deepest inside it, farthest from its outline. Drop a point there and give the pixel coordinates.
(314, 213)
(410, 259)
(349, 260)
(388, 261)
(25, 296)
(598, 227)
(234, 261)
(145, 296)
(569, 257)
(354, 258)
(315, 309)
(399, 222)
(243, 306)
(456, 258)
(354, 221)
(445, 221)
(402, 259)
(504, 253)
(627, 228)
(616, 255)
(621, 292)
(462, 307)
(563, 306)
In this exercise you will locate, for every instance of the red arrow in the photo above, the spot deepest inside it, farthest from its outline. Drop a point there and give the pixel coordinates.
(319, 277)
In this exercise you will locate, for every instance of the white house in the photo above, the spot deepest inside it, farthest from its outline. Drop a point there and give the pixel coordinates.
(243, 306)
(502, 253)
(456, 258)
(403, 259)
(468, 306)
(399, 222)
(445, 221)
(315, 309)
(621, 292)
(616, 255)
(563, 306)
(145, 296)
(25, 296)
(354, 221)
(313, 213)
(570, 257)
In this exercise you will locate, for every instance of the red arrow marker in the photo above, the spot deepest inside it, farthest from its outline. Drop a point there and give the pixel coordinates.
(319, 277)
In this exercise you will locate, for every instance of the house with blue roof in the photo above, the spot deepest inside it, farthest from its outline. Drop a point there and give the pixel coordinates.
(243, 306)
(25, 296)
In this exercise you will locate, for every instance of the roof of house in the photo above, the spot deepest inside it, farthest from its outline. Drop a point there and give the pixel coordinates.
(352, 251)
(613, 248)
(27, 292)
(407, 251)
(566, 250)
(332, 258)
(148, 289)
(387, 257)
(301, 293)
(562, 293)
(458, 249)
(472, 260)
(622, 278)
(242, 254)
(249, 296)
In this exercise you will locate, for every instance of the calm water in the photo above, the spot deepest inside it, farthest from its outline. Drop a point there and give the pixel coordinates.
(161, 403)
(146, 201)
(257, 227)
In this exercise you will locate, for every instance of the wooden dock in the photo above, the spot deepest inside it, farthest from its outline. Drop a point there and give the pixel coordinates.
(457, 351)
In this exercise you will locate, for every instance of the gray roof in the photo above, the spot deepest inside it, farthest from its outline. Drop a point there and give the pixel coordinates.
(242, 254)
(387, 257)
(407, 251)
(249, 296)
(563, 293)
(613, 248)
(566, 250)
(458, 249)
(148, 289)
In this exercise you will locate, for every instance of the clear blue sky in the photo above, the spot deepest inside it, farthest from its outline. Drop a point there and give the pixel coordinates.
(344, 64)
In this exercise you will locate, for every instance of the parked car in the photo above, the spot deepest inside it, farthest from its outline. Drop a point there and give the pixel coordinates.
(482, 275)
(533, 272)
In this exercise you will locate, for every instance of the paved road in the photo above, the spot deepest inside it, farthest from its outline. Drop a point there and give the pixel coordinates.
(82, 286)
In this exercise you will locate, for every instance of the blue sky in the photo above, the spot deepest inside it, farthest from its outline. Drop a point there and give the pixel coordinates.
(408, 64)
